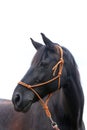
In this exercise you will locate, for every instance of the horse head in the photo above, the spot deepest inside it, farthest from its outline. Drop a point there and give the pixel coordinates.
(41, 70)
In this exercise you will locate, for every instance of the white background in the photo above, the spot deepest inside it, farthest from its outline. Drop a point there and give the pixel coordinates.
(63, 21)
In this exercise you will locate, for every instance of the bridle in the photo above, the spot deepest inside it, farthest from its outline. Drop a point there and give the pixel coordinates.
(31, 87)
(45, 103)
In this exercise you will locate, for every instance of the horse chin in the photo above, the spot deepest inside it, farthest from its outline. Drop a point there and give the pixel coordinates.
(25, 108)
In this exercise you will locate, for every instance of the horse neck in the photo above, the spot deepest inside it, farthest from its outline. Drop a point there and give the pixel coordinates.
(66, 105)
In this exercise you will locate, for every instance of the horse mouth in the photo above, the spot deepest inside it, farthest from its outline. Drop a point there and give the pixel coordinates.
(27, 107)
(24, 108)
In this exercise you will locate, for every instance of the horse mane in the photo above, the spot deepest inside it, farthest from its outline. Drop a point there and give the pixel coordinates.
(72, 67)
(74, 90)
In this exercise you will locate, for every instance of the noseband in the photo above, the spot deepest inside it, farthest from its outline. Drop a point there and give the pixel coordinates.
(45, 103)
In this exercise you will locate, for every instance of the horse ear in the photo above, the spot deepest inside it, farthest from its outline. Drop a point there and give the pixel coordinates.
(36, 44)
(47, 41)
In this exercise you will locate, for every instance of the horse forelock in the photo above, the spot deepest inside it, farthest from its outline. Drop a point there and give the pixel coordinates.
(40, 54)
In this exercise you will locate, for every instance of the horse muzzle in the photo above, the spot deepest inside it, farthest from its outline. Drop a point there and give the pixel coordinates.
(20, 104)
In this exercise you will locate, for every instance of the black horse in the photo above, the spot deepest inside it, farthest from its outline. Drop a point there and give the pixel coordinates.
(66, 104)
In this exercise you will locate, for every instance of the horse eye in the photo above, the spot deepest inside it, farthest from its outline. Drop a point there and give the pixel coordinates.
(37, 81)
(44, 63)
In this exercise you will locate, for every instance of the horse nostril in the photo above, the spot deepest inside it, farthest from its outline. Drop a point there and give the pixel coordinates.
(17, 99)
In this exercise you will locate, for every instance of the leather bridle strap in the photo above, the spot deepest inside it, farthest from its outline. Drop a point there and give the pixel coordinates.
(31, 87)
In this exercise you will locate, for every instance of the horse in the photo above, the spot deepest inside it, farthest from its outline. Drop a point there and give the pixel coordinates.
(53, 76)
